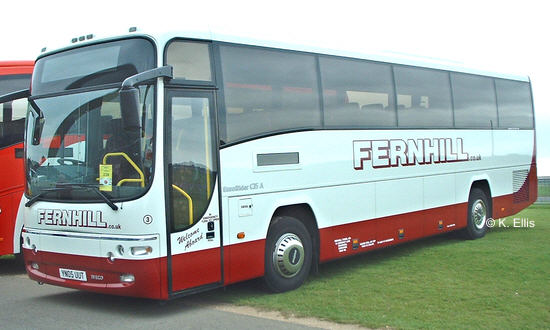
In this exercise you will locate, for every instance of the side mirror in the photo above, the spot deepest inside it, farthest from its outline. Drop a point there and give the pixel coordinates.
(38, 118)
(129, 108)
(129, 95)
(37, 130)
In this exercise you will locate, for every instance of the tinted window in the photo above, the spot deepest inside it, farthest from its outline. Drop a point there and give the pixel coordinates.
(191, 60)
(515, 109)
(94, 65)
(14, 83)
(423, 97)
(357, 93)
(12, 114)
(267, 91)
(474, 101)
(11, 132)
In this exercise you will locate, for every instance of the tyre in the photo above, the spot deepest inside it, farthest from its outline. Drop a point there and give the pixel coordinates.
(288, 254)
(479, 211)
(20, 261)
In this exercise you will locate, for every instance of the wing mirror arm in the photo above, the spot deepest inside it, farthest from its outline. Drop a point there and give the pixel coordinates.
(129, 94)
(164, 71)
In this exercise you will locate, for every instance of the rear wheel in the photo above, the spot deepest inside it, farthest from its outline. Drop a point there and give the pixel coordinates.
(479, 211)
(288, 254)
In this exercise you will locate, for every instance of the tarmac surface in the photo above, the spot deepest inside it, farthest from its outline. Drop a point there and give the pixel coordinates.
(26, 305)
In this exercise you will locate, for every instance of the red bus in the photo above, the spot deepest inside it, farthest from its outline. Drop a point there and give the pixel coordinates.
(14, 76)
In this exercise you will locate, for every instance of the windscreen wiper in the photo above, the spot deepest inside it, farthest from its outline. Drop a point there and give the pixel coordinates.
(92, 187)
(67, 186)
(42, 193)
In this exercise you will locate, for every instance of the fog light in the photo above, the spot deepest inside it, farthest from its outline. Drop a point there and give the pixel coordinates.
(34, 265)
(141, 250)
(127, 278)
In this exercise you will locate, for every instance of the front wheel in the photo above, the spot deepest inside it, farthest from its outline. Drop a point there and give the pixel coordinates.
(288, 254)
(479, 211)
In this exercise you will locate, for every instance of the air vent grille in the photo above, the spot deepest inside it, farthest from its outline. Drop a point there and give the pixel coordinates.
(521, 186)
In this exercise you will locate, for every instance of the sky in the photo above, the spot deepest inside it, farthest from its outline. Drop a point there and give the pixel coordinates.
(501, 36)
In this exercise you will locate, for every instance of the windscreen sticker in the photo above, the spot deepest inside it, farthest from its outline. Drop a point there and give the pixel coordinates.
(106, 177)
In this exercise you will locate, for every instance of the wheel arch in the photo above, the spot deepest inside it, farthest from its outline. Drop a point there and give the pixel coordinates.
(483, 185)
(305, 214)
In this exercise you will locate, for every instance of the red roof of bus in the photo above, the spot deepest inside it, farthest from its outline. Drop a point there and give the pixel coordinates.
(16, 67)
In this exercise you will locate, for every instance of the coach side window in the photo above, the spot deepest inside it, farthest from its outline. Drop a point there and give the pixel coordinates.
(190, 60)
(423, 97)
(267, 91)
(357, 93)
(515, 109)
(474, 101)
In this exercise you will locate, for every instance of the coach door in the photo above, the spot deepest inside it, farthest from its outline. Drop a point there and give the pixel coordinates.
(192, 193)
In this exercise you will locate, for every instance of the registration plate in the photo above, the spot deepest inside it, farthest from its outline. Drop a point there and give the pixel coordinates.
(71, 274)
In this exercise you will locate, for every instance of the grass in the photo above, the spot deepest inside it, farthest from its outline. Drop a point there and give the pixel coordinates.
(500, 281)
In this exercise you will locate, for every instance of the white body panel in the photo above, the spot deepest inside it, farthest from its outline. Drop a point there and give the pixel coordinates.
(325, 177)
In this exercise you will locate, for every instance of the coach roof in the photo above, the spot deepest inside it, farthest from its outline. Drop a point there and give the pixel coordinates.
(162, 38)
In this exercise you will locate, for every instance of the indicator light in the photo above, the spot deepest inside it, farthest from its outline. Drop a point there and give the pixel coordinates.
(141, 250)
(240, 235)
